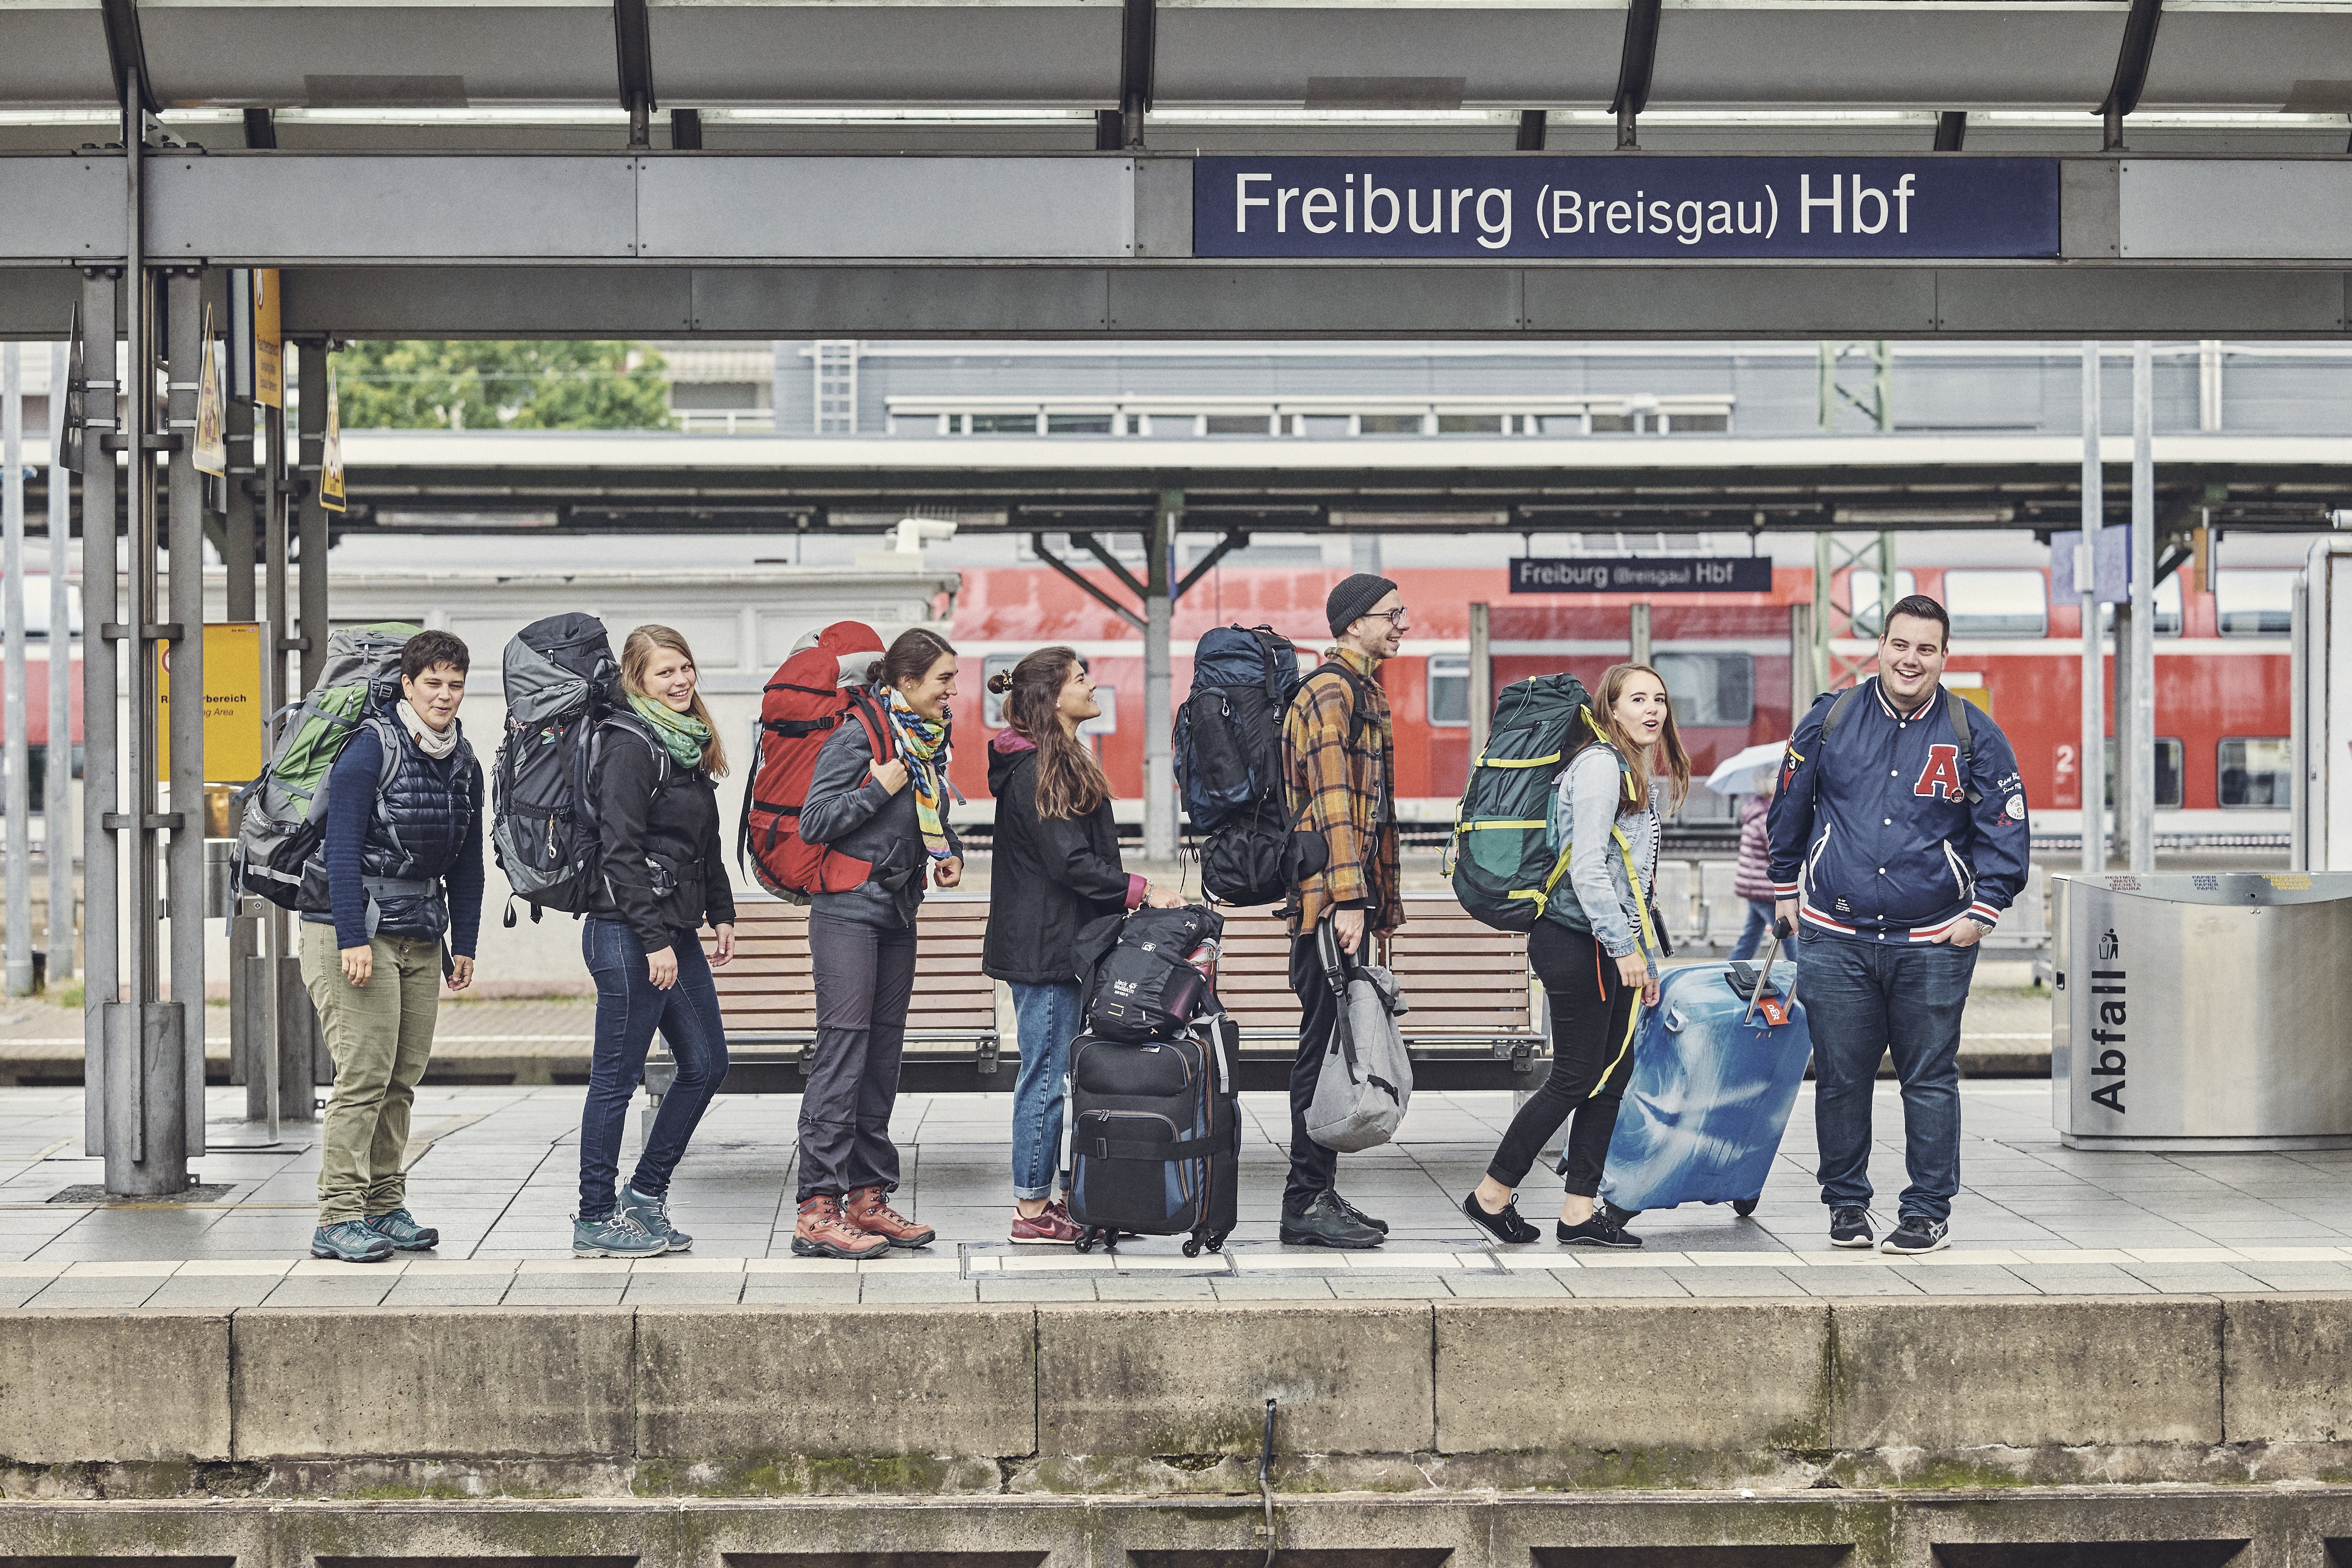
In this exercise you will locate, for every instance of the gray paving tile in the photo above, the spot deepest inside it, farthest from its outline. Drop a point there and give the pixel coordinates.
(1276, 1288)
(1498, 1287)
(1967, 1281)
(1037, 1290)
(1601, 1283)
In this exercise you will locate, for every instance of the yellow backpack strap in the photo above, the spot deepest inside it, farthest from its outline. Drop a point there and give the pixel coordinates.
(1641, 896)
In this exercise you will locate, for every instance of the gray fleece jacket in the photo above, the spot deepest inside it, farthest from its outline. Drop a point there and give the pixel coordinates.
(848, 809)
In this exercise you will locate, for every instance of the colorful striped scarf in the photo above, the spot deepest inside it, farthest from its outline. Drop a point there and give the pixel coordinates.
(923, 743)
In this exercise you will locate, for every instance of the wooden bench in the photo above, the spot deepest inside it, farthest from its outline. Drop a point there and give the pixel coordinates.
(1474, 1022)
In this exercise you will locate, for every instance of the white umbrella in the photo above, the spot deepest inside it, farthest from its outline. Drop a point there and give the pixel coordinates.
(1747, 772)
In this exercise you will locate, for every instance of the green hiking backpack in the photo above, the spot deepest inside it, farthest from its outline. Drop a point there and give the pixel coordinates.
(286, 808)
(1500, 860)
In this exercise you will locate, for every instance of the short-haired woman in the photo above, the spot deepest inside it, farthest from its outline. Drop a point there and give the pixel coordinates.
(1595, 952)
(403, 856)
(664, 876)
(890, 811)
(1057, 867)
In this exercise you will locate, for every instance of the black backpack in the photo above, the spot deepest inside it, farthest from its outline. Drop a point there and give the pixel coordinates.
(1139, 982)
(1228, 745)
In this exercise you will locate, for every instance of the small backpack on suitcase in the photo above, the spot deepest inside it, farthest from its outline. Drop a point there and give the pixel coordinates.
(1142, 982)
(1716, 1066)
(1155, 1137)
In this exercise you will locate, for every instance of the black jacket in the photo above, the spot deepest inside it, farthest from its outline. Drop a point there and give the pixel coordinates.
(849, 810)
(1049, 876)
(663, 865)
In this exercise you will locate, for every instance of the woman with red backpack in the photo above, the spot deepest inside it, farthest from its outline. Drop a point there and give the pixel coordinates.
(887, 808)
(1057, 868)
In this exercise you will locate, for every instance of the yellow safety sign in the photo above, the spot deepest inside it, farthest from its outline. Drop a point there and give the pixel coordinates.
(268, 353)
(211, 404)
(330, 452)
(235, 723)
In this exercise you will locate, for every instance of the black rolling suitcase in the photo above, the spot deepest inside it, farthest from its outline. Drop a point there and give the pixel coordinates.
(1155, 1137)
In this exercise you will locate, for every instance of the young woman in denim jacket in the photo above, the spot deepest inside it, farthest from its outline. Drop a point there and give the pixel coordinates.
(1595, 948)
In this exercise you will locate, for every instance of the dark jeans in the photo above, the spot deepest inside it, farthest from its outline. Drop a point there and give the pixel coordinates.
(1313, 1169)
(1591, 1059)
(628, 1010)
(1758, 927)
(865, 978)
(1860, 999)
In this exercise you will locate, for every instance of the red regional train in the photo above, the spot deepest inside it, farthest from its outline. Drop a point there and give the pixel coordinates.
(2224, 754)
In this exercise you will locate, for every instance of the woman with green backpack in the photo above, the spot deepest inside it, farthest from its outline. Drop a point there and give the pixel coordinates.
(1595, 948)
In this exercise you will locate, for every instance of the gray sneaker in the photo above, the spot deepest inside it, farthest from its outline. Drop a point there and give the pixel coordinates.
(350, 1241)
(615, 1236)
(653, 1215)
(399, 1227)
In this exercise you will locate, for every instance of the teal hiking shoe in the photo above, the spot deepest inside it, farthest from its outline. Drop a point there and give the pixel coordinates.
(653, 1215)
(350, 1241)
(616, 1235)
(400, 1228)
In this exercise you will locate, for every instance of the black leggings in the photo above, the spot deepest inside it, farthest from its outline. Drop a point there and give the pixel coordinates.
(1592, 1058)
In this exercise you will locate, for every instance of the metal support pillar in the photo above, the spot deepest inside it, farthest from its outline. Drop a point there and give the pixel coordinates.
(1159, 614)
(16, 746)
(1364, 552)
(248, 1035)
(1832, 620)
(281, 1078)
(1803, 677)
(102, 896)
(1482, 677)
(2141, 763)
(1638, 633)
(58, 808)
(2116, 789)
(310, 378)
(185, 865)
(2092, 774)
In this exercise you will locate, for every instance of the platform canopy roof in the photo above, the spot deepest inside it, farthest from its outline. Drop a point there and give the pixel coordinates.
(354, 73)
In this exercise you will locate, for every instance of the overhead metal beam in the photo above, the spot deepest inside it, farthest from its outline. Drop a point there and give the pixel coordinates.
(686, 130)
(1634, 67)
(1533, 124)
(634, 46)
(1037, 544)
(1236, 539)
(126, 52)
(2132, 58)
(260, 130)
(1138, 30)
(1952, 129)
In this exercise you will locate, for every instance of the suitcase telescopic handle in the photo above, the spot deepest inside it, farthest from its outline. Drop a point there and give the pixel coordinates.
(1780, 931)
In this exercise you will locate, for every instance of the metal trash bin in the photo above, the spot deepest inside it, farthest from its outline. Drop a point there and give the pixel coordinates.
(2202, 1012)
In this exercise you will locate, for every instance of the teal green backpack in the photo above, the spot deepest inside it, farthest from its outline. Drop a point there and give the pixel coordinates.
(1499, 859)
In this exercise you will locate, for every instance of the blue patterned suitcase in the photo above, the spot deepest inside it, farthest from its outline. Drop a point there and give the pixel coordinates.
(1713, 1082)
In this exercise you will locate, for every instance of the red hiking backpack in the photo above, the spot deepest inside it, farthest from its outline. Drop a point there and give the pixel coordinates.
(801, 707)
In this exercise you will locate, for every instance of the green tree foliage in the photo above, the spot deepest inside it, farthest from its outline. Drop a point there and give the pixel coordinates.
(500, 386)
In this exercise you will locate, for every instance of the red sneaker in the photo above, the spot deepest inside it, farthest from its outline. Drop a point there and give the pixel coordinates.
(1055, 1227)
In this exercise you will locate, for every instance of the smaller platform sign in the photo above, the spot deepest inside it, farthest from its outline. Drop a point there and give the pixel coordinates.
(1642, 574)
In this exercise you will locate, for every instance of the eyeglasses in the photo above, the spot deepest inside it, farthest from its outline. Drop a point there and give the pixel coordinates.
(1395, 618)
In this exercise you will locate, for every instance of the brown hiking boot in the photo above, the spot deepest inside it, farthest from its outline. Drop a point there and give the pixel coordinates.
(865, 1209)
(822, 1232)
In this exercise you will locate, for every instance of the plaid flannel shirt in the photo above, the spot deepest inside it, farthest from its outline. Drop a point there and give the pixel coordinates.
(1345, 794)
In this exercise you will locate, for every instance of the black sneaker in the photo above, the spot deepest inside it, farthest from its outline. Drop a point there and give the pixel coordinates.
(1599, 1231)
(1326, 1224)
(1359, 1216)
(1505, 1225)
(1849, 1227)
(1917, 1233)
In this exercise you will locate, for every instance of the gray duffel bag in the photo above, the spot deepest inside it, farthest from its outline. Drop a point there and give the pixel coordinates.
(1365, 1082)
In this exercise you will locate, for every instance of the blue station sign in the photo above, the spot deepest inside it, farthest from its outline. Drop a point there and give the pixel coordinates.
(1642, 574)
(1534, 208)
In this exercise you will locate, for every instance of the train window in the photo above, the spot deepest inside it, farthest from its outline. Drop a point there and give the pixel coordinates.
(1240, 424)
(1389, 424)
(2168, 757)
(1709, 688)
(1003, 424)
(2254, 603)
(1322, 426)
(1996, 604)
(1449, 690)
(2257, 772)
(36, 606)
(1079, 424)
(1862, 591)
(1561, 424)
(991, 704)
(1470, 424)
(1689, 424)
(1615, 423)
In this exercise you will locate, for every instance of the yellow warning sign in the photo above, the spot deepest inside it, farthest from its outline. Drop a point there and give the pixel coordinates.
(268, 352)
(212, 405)
(233, 721)
(330, 452)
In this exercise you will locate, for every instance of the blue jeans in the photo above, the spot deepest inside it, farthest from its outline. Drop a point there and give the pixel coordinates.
(1049, 1021)
(1860, 999)
(1758, 927)
(628, 1011)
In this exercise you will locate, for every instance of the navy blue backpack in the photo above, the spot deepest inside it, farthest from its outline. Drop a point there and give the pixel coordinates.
(1228, 759)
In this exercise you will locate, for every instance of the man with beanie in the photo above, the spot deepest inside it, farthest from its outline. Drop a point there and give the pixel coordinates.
(1338, 753)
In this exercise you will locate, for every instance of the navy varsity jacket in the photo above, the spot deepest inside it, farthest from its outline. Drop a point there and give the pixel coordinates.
(1875, 830)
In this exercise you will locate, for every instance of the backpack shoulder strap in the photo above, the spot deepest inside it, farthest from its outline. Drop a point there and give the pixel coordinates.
(1958, 707)
(1356, 718)
(1845, 700)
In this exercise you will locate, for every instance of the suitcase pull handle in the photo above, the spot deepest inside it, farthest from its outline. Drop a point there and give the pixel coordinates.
(1672, 1020)
(1780, 928)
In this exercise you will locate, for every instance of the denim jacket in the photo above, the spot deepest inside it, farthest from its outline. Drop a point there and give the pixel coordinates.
(1604, 901)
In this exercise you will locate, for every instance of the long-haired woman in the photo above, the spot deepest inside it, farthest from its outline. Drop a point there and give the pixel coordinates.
(1057, 867)
(665, 875)
(891, 812)
(1594, 949)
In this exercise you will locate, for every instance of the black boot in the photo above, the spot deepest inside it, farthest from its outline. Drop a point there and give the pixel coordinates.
(1326, 1224)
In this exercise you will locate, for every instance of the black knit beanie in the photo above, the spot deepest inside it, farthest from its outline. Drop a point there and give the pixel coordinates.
(1353, 598)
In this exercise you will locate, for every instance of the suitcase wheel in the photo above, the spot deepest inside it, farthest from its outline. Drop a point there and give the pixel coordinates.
(1086, 1242)
(1743, 1208)
(1192, 1247)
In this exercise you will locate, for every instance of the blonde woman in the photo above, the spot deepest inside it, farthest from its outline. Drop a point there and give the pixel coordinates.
(1596, 952)
(664, 876)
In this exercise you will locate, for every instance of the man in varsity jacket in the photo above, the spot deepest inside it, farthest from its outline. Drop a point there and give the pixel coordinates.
(1898, 836)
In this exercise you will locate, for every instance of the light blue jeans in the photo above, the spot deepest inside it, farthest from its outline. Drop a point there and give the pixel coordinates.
(1048, 1019)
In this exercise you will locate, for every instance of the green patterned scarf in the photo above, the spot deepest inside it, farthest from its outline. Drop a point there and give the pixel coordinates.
(684, 734)
(923, 743)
